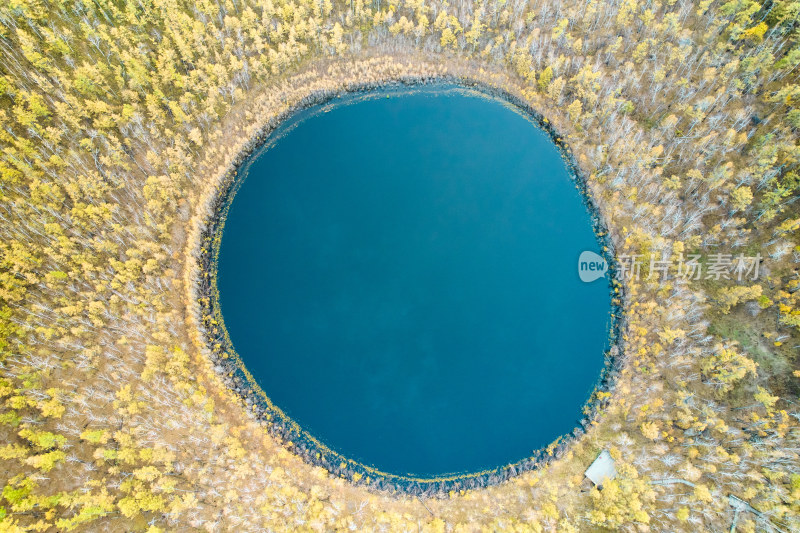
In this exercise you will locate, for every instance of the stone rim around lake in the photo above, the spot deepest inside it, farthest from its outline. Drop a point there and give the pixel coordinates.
(233, 371)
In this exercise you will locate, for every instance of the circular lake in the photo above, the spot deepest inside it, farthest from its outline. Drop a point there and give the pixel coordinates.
(399, 274)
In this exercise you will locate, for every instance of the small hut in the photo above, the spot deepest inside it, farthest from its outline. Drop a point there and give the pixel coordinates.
(602, 469)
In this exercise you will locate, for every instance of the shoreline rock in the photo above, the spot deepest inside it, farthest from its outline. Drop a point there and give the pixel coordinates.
(235, 376)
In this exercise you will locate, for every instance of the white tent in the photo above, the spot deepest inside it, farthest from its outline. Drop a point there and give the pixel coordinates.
(602, 469)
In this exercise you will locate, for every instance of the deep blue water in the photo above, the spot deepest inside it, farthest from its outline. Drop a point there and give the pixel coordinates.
(400, 276)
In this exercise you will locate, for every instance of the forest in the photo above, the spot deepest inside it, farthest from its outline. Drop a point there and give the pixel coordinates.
(123, 119)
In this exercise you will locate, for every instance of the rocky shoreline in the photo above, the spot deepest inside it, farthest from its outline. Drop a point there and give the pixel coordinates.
(234, 374)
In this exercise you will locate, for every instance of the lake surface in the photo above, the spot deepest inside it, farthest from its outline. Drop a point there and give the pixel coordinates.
(399, 274)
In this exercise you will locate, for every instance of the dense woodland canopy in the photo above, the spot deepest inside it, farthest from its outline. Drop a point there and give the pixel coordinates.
(121, 118)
